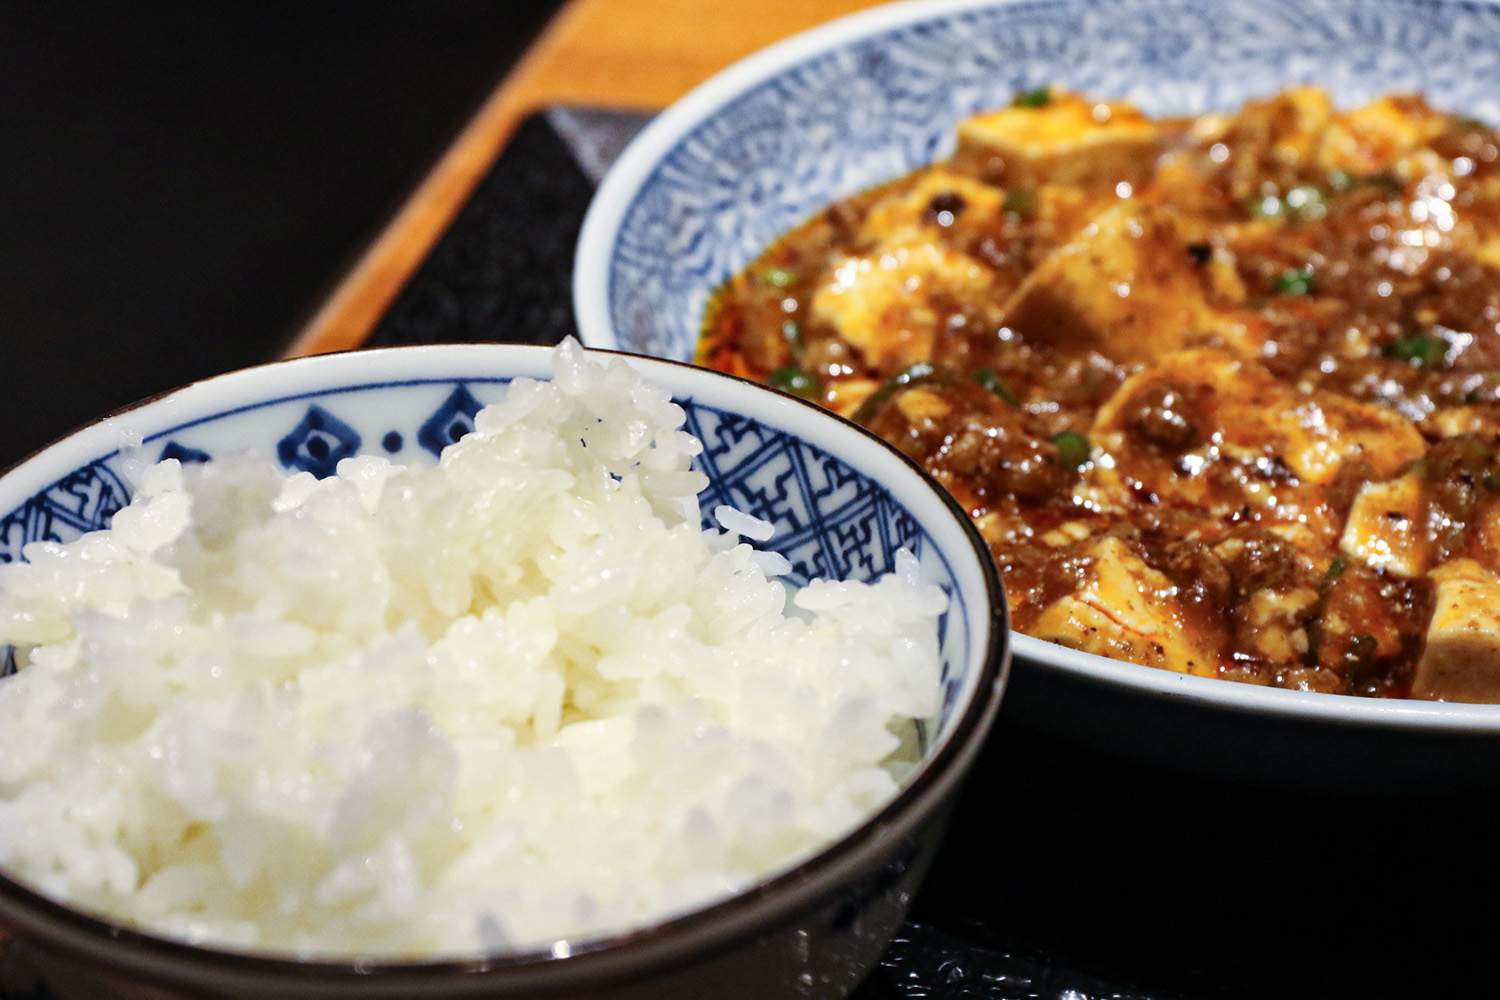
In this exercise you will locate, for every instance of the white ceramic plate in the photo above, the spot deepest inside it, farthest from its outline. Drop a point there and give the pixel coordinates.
(760, 147)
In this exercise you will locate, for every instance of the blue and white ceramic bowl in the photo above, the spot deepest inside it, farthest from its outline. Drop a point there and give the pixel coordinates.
(758, 149)
(842, 503)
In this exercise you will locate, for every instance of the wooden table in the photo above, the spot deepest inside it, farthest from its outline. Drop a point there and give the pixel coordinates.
(629, 54)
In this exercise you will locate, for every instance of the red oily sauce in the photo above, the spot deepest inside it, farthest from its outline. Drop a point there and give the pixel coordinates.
(1222, 392)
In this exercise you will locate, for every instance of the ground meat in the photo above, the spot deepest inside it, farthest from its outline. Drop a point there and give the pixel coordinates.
(1257, 559)
(1201, 576)
(975, 436)
(1159, 418)
(1337, 254)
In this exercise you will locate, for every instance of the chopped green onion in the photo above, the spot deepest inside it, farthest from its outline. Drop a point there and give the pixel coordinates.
(778, 277)
(1266, 207)
(1340, 180)
(1294, 283)
(792, 331)
(1302, 202)
(1427, 352)
(1314, 626)
(1021, 203)
(918, 371)
(1337, 567)
(1072, 448)
(1038, 98)
(1387, 182)
(1305, 202)
(987, 378)
(797, 382)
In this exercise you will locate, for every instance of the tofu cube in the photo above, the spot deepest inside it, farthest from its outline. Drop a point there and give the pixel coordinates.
(1127, 286)
(886, 303)
(1386, 529)
(1067, 141)
(1128, 611)
(1461, 661)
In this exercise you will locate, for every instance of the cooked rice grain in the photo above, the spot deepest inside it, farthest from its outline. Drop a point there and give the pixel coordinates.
(518, 697)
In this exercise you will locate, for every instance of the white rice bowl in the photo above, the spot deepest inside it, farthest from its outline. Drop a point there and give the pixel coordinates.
(516, 698)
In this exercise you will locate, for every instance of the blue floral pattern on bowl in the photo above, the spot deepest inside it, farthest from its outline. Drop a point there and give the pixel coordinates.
(83, 500)
(831, 520)
(700, 194)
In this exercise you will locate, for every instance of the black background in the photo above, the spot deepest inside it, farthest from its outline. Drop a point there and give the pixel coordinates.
(182, 183)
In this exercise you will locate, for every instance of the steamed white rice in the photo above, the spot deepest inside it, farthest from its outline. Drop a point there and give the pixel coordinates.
(516, 698)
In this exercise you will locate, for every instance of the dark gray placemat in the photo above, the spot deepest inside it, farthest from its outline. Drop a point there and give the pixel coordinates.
(503, 269)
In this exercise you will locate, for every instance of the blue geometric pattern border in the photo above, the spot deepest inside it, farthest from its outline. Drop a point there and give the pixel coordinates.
(830, 520)
(453, 420)
(318, 443)
(80, 502)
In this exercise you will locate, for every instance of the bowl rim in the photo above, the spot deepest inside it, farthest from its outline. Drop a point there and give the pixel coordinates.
(632, 953)
(591, 296)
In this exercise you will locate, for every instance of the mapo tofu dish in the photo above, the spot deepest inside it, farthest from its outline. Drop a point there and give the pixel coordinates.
(1221, 392)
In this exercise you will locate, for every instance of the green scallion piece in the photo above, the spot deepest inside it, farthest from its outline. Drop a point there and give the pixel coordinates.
(778, 277)
(916, 373)
(987, 378)
(1266, 207)
(1357, 657)
(1037, 98)
(1314, 627)
(1073, 449)
(1294, 283)
(794, 380)
(1340, 180)
(1305, 202)
(1019, 203)
(1426, 352)
(916, 370)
